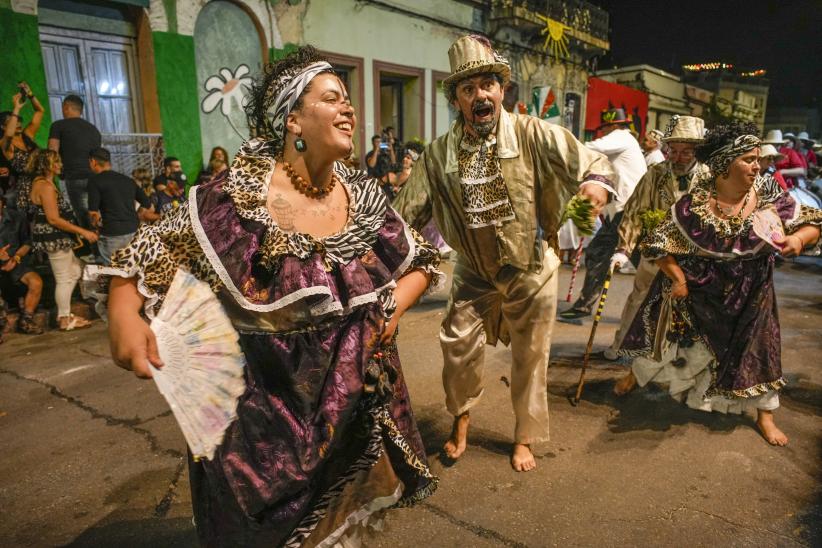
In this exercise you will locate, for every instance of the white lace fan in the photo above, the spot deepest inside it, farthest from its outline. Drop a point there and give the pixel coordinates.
(202, 375)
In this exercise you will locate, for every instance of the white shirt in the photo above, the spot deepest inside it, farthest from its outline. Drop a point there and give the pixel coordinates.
(625, 155)
(654, 157)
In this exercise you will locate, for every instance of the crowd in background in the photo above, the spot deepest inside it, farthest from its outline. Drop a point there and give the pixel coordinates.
(64, 206)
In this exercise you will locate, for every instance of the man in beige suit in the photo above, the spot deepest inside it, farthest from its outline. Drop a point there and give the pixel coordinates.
(496, 185)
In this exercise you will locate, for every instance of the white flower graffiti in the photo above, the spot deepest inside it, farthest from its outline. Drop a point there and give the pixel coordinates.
(226, 89)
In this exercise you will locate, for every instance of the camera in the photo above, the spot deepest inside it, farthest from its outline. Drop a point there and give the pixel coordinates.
(383, 145)
(24, 93)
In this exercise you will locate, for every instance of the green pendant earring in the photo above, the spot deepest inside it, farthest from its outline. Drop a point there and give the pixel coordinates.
(300, 145)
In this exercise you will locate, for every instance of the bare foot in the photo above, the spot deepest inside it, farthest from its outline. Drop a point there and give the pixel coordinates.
(455, 446)
(625, 384)
(775, 436)
(522, 460)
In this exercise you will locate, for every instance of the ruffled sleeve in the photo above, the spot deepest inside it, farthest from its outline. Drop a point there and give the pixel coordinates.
(154, 255)
(427, 259)
(666, 239)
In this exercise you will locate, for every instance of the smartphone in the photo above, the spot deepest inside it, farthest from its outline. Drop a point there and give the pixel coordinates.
(23, 93)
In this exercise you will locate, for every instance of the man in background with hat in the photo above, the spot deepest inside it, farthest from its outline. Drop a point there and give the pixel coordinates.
(652, 146)
(623, 151)
(496, 185)
(654, 195)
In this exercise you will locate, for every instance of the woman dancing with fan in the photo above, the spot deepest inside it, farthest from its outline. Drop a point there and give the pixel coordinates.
(709, 326)
(314, 270)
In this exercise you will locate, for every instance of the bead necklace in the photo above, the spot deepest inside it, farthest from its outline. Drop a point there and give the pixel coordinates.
(305, 187)
(728, 212)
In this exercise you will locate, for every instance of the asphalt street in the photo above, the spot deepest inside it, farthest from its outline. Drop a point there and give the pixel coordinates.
(93, 456)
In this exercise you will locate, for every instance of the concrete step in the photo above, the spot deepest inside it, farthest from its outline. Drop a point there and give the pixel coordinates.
(48, 319)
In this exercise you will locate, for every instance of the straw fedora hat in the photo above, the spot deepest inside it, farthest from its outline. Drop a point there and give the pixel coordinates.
(472, 55)
(769, 151)
(686, 129)
(774, 137)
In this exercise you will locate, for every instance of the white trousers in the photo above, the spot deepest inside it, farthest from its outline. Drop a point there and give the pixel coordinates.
(518, 306)
(67, 270)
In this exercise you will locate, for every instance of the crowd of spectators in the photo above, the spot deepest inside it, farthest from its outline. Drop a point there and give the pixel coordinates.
(64, 206)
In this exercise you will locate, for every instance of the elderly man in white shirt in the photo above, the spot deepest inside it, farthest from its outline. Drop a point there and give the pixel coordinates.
(625, 155)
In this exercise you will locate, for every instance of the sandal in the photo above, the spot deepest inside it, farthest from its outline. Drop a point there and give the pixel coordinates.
(74, 322)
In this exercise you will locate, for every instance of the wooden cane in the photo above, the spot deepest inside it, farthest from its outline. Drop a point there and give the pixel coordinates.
(574, 271)
(597, 317)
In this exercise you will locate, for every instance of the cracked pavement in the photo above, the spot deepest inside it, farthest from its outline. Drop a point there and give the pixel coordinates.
(94, 457)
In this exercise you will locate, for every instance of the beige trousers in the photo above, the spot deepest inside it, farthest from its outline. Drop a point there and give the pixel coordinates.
(645, 274)
(518, 306)
(67, 270)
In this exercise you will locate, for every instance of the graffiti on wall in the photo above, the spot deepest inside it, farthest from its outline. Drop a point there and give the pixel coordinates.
(228, 54)
(227, 90)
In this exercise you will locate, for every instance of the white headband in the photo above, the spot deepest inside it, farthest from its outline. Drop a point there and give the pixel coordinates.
(293, 87)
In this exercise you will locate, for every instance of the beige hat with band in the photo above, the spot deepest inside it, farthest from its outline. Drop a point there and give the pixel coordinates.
(472, 55)
(769, 151)
(685, 129)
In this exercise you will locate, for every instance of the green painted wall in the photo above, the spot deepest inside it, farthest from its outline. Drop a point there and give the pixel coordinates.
(177, 98)
(23, 62)
(275, 54)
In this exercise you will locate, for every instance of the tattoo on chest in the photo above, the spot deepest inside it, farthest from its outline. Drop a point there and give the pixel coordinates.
(285, 213)
(282, 212)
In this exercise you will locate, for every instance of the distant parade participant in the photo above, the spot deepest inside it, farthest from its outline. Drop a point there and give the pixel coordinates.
(709, 326)
(623, 151)
(656, 192)
(652, 146)
(496, 185)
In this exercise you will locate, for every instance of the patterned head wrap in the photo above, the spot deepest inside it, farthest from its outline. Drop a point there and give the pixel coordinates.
(285, 93)
(414, 155)
(721, 158)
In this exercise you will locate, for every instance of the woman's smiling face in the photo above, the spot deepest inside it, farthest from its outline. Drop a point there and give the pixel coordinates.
(326, 120)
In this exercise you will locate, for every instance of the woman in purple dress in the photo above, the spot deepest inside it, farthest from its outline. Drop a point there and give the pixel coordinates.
(709, 326)
(314, 269)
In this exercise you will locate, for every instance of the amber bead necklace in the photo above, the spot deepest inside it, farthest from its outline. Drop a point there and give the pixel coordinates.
(305, 187)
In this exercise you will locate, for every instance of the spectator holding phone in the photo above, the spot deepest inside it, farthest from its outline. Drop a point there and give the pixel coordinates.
(17, 144)
(377, 160)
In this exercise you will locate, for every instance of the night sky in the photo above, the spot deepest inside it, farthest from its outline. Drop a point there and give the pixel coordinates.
(783, 37)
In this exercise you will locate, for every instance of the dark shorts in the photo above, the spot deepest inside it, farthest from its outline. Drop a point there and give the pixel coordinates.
(16, 273)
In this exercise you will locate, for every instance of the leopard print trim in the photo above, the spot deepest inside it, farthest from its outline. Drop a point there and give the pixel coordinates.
(485, 199)
(725, 228)
(157, 251)
(247, 185)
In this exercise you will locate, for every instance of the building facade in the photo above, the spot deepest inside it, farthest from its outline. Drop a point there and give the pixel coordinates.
(666, 92)
(180, 69)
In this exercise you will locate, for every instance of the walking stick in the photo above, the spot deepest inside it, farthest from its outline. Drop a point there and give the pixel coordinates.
(587, 356)
(574, 271)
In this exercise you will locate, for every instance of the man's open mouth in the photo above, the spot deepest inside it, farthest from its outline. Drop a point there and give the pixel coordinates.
(484, 110)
